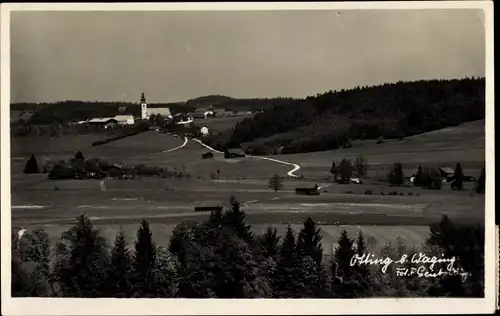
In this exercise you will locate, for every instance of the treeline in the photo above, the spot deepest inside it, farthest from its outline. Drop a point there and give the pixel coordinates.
(70, 111)
(56, 130)
(222, 258)
(332, 119)
(125, 131)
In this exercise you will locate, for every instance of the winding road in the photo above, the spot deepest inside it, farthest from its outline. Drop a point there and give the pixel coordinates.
(290, 173)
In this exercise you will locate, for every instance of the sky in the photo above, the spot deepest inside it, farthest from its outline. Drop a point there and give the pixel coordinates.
(174, 56)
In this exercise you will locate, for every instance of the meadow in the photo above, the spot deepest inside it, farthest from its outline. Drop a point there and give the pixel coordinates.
(54, 205)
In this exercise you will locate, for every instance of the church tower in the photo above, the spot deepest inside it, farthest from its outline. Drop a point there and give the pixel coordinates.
(144, 107)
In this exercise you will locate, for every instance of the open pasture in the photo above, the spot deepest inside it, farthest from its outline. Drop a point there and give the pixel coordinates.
(188, 158)
(219, 124)
(65, 147)
(464, 143)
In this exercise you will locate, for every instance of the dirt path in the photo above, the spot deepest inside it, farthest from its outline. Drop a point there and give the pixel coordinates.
(290, 173)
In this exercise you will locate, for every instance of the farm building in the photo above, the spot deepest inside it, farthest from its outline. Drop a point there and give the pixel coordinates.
(203, 113)
(125, 119)
(446, 172)
(106, 122)
(165, 112)
(181, 119)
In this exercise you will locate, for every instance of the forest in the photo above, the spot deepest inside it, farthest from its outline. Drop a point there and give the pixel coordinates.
(222, 258)
(332, 119)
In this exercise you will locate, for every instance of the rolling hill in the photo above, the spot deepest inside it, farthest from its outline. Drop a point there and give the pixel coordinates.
(333, 119)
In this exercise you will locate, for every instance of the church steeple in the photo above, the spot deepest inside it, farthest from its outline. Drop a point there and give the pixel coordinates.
(144, 107)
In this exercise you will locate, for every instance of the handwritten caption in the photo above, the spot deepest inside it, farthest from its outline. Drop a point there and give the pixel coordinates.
(419, 265)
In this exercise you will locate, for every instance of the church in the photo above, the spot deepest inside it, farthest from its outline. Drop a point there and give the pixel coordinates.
(146, 111)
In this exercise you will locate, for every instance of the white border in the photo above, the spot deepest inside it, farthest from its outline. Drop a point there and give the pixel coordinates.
(56, 306)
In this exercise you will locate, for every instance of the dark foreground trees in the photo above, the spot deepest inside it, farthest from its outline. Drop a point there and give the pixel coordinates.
(222, 258)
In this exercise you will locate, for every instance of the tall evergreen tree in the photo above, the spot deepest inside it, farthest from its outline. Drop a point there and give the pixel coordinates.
(459, 177)
(31, 166)
(144, 261)
(286, 281)
(118, 280)
(82, 260)
(234, 218)
(309, 241)
(334, 170)
(270, 243)
(79, 156)
(351, 285)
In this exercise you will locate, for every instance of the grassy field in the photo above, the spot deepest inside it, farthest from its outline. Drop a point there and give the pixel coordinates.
(219, 124)
(38, 202)
(464, 143)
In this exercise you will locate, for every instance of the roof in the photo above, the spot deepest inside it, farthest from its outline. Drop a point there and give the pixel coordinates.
(101, 120)
(124, 117)
(447, 170)
(162, 111)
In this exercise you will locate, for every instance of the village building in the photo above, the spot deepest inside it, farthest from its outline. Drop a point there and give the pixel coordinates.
(125, 119)
(147, 112)
(106, 122)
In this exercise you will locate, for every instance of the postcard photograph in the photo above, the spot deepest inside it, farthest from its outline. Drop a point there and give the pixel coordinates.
(323, 153)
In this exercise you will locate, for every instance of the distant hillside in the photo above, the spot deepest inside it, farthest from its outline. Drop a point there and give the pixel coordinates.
(207, 100)
(331, 120)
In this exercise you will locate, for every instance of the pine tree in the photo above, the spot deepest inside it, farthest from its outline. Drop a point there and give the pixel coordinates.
(144, 261)
(363, 273)
(309, 241)
(350, 285)
(270, 243)
(79, 156)
(82, 261)
(334, 170)
(459, 177)
(31, 166)
(235, 219)
(286, 281)
(119, 275)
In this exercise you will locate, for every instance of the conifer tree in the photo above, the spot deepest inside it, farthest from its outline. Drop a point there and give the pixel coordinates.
(270, 243)
(119, 274)
(309, 241)
(82, 260)
(334, 170)
(234, 218)
(31, 166)
(79, 156)
(144, 261)
(459, 177)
